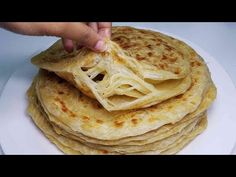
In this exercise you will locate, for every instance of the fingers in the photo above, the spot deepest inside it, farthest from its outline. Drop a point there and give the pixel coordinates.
(68, 45)
(94, 26)
(104, 29)
(82, 34)
(90, 35)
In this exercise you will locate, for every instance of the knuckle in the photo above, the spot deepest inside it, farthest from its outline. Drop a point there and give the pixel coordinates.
(87, 37)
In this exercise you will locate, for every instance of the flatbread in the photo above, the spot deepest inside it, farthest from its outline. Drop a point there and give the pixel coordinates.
(84, 115)
(153, 140)
(147, 94)
(119, 80)
(182, 142)
(66, 144)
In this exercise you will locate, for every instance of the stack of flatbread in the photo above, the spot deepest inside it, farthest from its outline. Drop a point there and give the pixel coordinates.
(147, 94)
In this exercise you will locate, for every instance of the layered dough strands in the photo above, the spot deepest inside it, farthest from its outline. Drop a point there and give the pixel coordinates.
(119, 80)
(147, 94)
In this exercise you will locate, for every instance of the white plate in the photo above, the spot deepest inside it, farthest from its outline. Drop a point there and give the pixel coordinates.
(19, 135)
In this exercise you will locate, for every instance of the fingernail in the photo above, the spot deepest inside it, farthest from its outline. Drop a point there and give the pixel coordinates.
(100, 46)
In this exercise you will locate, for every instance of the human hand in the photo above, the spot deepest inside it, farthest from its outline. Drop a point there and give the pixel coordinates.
(89, 34)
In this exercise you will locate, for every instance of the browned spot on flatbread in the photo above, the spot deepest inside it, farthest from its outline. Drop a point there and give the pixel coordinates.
(73, 114)
(164, 57)
(96, 105)
(60, 92)
(64, 108)
(104, 151)
(177, 71)
(169, 48)
(153, 39)
(195, 63)
(138, 57)
(161, 66)
(199, 64)
(99, 121)
(143, 32)
(131, 45)
(192, 64)
(119, 123)
(159, 40)
(179, 96)
(134, 121)
(149, 54)
(149, 46)
(172, 60)
(85, 118)
(117, 39)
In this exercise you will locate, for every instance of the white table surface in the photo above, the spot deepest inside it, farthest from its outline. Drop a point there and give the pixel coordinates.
(218, 39)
